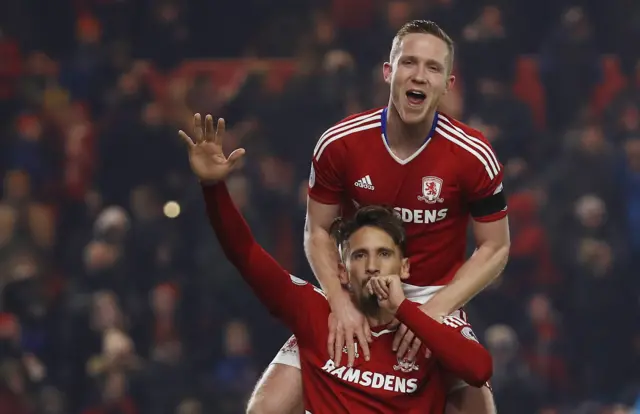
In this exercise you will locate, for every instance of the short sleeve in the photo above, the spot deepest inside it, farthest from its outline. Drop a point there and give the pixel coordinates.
(482, 177)
(326, 179)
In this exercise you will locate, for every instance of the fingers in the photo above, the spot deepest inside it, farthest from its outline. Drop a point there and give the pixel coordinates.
(367, 332)
(235, 156)
(364, 344)
(338, 345)
(209, 130)
(198, 130)
(219, 133)
(381, 289)
(398, 338)
(186, 138)
(351, 349)
(332, 336)
(413, 350)
(405, 344)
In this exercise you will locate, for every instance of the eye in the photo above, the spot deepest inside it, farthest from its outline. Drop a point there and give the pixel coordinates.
(358, 255)
(385, 253)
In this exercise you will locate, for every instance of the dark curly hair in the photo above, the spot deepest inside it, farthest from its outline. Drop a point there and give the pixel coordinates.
(382, 217)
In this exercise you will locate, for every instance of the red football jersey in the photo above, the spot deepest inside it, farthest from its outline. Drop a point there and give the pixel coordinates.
(432, 189)
(381, 385)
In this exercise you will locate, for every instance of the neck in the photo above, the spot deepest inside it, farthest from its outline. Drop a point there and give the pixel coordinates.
(381, 318)
(400, 133)
(376, 316)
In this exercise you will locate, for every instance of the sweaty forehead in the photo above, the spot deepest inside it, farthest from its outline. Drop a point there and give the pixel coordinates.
(424, 46)
(369, 237)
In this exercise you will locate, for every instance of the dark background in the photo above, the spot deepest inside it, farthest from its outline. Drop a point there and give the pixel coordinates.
(109, 305)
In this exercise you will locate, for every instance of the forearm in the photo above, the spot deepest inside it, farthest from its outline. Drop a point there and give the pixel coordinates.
(323, 258)
(463, 357)
(482, 268)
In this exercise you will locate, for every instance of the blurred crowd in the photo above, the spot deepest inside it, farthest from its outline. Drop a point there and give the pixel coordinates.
(114, 296)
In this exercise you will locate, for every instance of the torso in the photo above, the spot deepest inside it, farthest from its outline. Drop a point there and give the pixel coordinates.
(424, 188)
(380, 385)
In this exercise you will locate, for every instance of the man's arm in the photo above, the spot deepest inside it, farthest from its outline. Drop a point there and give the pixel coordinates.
(482, 268)
(452, 343)
(285, 296)
(481, 179)
(326, 191)
(320, 248)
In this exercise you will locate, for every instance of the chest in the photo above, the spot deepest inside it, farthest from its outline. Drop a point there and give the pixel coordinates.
(383, 375)
(428, 183)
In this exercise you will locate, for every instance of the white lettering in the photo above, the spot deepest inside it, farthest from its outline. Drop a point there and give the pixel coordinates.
(365, 381)
(378, 380)
(352, 375)
(338, 372)
(389, 381)
(430, 216)
(372, 379)
(329, 366)
(421, 216)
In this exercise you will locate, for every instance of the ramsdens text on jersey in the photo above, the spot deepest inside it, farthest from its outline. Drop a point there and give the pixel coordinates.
(421, 216)
(373, 379)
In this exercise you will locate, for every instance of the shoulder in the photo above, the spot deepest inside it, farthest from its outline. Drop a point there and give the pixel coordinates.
(349, 128)
(468, 144)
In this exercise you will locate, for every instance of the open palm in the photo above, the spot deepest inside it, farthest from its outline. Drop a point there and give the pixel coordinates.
(206, 158)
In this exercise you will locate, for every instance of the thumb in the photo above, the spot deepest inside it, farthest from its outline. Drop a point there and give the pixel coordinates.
(236, 156)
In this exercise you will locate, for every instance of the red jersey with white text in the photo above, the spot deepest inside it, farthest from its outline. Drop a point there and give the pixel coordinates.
(432, 190)
(381, 385)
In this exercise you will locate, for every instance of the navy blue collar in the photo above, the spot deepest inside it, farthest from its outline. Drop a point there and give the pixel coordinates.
(384, 126)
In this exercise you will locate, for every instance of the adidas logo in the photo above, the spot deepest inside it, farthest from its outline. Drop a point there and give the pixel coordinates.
(365, 182)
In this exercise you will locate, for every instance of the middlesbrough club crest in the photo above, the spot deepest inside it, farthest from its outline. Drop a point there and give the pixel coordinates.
(431, 189)
(405, 366)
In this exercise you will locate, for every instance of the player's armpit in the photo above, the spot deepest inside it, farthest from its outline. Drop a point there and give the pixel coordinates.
(452, 343)
(287, 297)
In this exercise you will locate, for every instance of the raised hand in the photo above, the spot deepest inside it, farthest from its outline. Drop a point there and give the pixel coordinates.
(206, 158)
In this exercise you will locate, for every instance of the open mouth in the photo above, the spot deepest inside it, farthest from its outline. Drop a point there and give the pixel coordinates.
(416, 97)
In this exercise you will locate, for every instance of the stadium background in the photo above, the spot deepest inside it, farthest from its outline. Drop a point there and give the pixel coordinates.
(113, 301)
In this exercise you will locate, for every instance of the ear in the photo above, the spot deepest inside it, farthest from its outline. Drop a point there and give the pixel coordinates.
(387, 70)
(343, 274)
(404, 269)
(450, 82)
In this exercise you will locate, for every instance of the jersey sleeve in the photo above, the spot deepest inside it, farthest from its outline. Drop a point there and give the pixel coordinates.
(326, 180)
(482, 177)
(452, 343)
(287, 297)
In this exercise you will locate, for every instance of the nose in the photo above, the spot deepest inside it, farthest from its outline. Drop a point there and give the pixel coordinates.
(372, 266)
(420, 75)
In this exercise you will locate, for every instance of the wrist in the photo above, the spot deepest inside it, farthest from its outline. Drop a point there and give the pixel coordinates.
(435, 312)
(338, 297)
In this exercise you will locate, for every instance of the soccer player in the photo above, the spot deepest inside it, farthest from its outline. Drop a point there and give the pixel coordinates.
(437, 173)
(373, 262)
